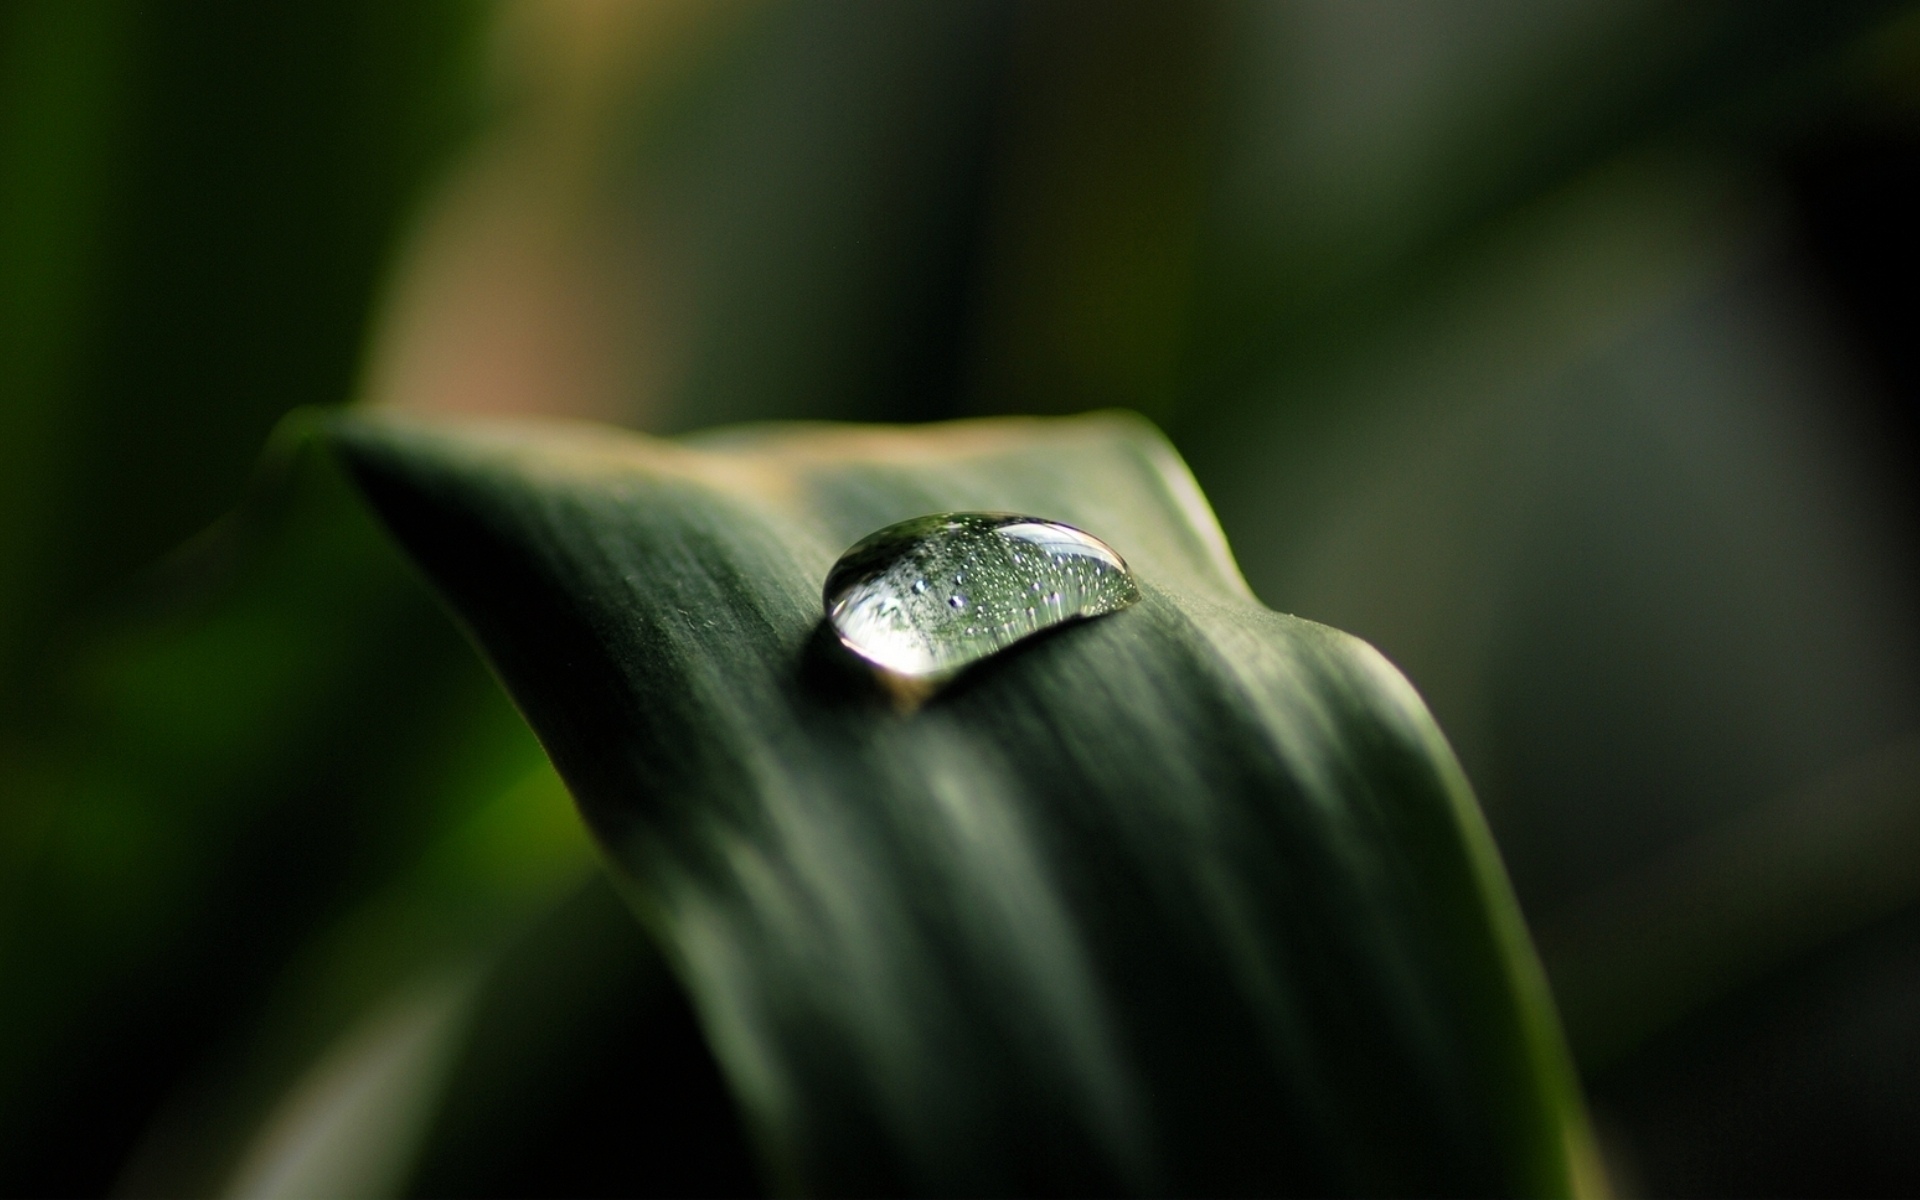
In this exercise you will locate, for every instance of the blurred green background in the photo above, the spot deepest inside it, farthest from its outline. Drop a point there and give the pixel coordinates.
(1566, 351)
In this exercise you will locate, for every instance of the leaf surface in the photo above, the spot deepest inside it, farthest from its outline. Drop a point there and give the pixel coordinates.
(1187, 899)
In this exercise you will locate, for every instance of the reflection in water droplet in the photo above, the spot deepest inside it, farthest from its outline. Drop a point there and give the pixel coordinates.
(878, 600)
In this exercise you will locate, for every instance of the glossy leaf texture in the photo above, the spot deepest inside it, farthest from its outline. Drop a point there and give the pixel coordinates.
(1190, 899)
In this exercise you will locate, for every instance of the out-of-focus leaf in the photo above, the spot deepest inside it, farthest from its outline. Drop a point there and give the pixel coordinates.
(349, 1126)
(473, 1027)
(166, 170)
(1690, 927)
(196, 199)
(548, 1055)
(1319, 236)
(61, 75)
(584, 1073)
(1192, 898)
(235, 771)
(334, 1092)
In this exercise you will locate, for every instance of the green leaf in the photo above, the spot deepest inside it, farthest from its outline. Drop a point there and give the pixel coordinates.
(1190, 899)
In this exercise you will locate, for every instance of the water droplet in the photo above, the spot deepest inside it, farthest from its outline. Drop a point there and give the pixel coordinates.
(878, 600)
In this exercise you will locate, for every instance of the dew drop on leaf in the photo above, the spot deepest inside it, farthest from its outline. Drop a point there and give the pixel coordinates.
(880, 606)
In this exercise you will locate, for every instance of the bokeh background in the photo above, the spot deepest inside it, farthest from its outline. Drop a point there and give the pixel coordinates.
(1566, 350)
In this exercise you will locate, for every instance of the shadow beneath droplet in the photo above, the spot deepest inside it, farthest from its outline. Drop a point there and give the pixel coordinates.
(834, 677)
